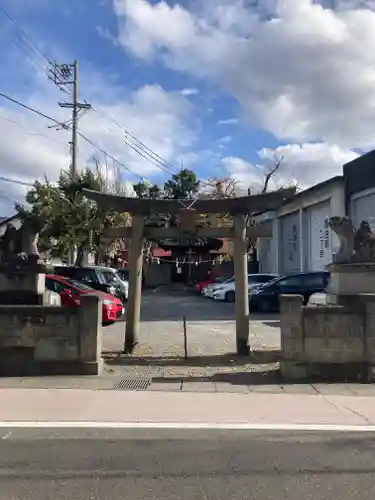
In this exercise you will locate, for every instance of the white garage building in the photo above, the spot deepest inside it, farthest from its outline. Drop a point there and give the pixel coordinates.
(302, 240)
(359, 177)
(362, 207)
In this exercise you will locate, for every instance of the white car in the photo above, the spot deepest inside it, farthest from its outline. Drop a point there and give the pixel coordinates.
(227, 291)
(210, 289)
(318, 299)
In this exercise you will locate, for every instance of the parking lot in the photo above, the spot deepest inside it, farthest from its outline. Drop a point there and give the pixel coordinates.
(210, 328)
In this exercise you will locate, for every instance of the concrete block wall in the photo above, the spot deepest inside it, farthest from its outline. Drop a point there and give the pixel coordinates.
(312, 336)
(38, 340)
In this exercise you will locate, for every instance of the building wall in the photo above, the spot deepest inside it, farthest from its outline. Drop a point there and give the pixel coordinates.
(362, 207)
(266, 247)
(359, 174)
(318, 236)
(302, 240)
(290, 243)
(360, 189)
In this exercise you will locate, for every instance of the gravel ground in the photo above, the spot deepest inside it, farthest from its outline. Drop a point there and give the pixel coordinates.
(211, 339)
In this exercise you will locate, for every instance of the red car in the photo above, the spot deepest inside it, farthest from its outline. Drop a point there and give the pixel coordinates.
(71, 290)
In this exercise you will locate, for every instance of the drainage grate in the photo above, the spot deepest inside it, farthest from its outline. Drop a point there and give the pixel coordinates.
(139, 384)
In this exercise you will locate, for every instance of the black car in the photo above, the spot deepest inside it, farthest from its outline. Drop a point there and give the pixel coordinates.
(265, 298)
(99, 278)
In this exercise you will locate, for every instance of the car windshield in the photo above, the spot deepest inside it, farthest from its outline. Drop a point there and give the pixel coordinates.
(78, 285)
(229, 280)
(124, 274)
(108, 277)
(270, 282)
(260, 278)
(223, 279)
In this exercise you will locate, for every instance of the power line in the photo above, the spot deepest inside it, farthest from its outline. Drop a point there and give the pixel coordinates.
(111, 157)
(63, 125)
(147, 152)
(31, 133)
(140, 152)
(15, 101)
(23, 33)
(14, 181)
(141, 145)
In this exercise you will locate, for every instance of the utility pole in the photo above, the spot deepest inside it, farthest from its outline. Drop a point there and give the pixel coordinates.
(65, 76)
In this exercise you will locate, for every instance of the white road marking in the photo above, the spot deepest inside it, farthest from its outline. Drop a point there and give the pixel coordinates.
(187, 426)
(8, 434)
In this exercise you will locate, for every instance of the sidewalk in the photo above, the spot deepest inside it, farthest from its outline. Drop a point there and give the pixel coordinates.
(258, 383)
(137, 408)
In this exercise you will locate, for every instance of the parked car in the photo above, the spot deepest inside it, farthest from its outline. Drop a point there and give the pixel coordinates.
(266, 297)
(209, 290)
(104, 279)
(71, 291)
(318, 299)
(123, 273)
(200, 285)
(227, 291)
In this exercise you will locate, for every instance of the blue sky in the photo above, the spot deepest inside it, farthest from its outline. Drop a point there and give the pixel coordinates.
(220, 86)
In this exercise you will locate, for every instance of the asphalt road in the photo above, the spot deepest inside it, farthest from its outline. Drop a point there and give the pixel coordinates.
(166, 465)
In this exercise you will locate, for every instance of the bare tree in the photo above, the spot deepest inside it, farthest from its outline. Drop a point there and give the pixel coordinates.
(271, 172)
(251, 246)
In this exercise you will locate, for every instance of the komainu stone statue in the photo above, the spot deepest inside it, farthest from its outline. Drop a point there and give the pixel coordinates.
(355, 245)
(19, 247)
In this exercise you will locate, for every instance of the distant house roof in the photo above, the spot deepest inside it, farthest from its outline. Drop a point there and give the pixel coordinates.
(337, 179)
(160, 253)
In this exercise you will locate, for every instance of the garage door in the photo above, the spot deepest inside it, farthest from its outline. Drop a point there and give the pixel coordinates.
(265, 255)
(290, 260)
(320, 238)
(364, 209)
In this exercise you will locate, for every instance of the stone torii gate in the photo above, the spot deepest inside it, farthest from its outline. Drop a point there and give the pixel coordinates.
(238, 208)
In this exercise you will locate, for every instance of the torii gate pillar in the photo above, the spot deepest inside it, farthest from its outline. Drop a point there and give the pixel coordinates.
(133, 310)
(242, 294)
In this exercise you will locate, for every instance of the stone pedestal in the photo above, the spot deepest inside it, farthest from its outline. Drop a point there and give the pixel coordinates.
(24, 287)
(348, 281)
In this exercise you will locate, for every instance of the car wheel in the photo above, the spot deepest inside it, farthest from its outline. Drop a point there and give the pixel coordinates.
(230, 296)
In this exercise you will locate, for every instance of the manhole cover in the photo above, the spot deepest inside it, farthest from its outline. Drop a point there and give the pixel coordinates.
(140, 384)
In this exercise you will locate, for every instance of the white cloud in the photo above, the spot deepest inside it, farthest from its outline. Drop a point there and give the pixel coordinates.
(189, 92)
(225, 140)
(304, 73)
(228, 121)
(303, 164)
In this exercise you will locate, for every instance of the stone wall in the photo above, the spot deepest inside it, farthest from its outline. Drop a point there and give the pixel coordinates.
(327, 340)
(41, 340)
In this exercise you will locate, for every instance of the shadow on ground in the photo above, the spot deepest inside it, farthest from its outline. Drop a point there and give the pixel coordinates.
(270, 377)
(262, 368)
(229, 363)
(221, 360)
